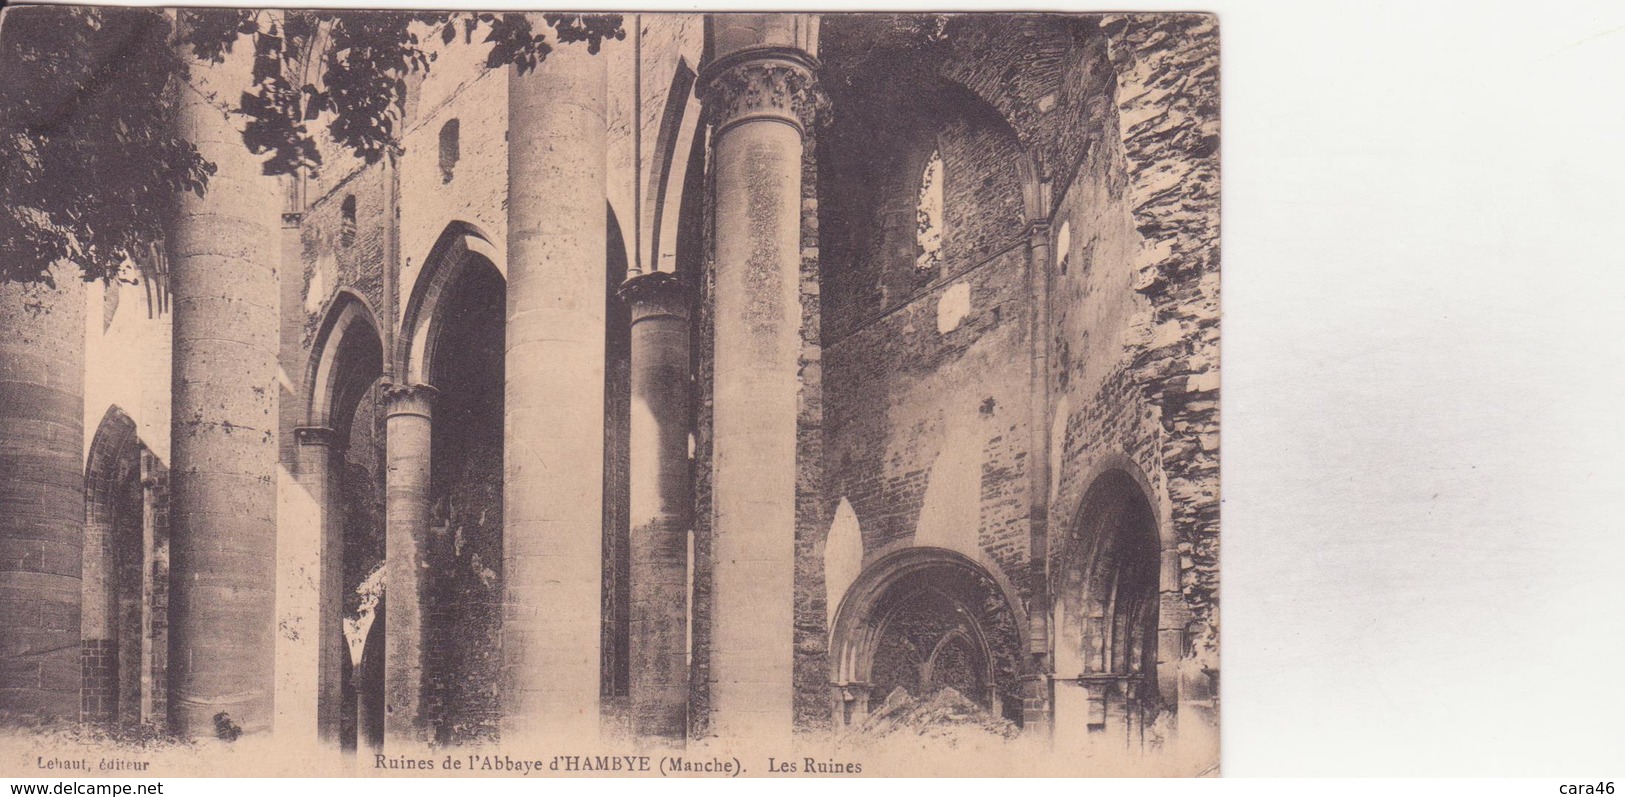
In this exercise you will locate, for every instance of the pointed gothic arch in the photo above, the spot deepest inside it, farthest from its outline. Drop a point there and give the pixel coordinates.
(909, 606)
(1107, 588)
(124, 579)
(344, 376)
(348, 348)
(461, 247)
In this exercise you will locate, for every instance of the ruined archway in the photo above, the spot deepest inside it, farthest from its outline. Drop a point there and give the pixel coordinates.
(125, 578)
(456, 325)
(924, 620)
(346, 412)
(461, 247)
(1107, 603)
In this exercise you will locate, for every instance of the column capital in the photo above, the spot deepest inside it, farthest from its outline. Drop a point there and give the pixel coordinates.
(409, 399)
(315, 436)
(656, 293)
(762, 83)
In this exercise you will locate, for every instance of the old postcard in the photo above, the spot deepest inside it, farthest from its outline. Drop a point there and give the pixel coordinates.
(539, 394)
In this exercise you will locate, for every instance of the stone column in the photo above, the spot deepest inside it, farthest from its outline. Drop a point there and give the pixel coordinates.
(1036, 694)
(662, 505)
(319, 449)
(407, 427)
(224, 422)
(759, 92)
(553, 482)
(42, 494)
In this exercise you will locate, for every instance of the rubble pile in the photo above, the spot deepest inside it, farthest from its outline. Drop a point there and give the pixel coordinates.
(946, 715)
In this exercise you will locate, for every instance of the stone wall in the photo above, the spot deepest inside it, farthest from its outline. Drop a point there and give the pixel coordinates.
(460, 88)
(1132, 333)
(1134, 321)
(340, 254)
(1168, 104)
(903, 346)
(936, 390)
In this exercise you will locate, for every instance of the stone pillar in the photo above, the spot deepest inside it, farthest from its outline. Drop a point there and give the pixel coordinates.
(553, 481)
(42, 494)
(1037, 711)
(319, 450)
(759, 92)
(224, 421)
(662, 505)
(407, 427)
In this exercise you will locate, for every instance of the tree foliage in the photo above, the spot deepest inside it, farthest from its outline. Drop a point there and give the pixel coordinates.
(90, 159)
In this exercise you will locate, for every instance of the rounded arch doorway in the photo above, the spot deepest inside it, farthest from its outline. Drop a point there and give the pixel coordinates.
(1107, 595)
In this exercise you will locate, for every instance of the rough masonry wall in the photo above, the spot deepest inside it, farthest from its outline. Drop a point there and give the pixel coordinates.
(1100, 414)
(339, 254)
(458, 88)
(927, 389)
(891, 111)
(1134, 352)
(1168, 103)
(909, 403)
(982, 203)
(1034, 69)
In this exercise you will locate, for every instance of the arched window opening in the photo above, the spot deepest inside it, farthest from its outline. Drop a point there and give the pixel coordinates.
(928, 216)
(450, 149)
(347, 221)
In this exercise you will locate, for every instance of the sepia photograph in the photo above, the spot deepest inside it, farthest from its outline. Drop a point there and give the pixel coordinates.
(453, 393)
